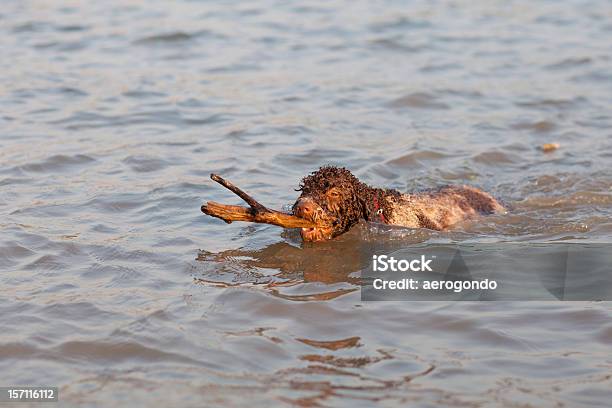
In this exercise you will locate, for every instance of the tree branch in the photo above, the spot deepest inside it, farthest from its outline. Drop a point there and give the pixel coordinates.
(256, 213)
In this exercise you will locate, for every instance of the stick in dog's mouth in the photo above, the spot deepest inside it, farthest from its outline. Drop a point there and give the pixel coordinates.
(256, 213)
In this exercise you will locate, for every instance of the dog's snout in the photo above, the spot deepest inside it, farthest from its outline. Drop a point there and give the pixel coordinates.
(305, 207)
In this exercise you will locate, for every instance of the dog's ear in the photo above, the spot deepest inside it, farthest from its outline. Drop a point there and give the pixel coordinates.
(363, 206)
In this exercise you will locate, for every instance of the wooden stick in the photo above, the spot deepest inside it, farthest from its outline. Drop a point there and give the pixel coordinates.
(256, 212)
(249, 200)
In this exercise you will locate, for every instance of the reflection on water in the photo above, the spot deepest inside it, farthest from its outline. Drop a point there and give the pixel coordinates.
(116, 288)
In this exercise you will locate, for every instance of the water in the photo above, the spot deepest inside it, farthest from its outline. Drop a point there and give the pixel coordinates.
(116, 288)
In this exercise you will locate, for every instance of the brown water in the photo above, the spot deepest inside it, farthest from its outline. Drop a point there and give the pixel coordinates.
(114, 287)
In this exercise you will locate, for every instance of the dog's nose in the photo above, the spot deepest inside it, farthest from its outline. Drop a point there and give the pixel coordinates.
(305, 208)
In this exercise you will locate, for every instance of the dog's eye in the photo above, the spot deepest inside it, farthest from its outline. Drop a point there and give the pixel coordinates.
(333, 194)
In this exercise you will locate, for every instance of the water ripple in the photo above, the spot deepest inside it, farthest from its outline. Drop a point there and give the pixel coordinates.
(116, 288)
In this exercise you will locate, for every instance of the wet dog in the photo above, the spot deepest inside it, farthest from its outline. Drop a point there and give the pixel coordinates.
(334, 197)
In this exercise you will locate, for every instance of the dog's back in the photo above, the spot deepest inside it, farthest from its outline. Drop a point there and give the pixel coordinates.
(441, 208)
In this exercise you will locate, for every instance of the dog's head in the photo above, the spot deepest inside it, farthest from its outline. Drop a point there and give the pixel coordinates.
(330, 196)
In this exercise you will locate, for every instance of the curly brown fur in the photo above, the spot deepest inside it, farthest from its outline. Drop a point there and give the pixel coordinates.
(350, 209)
(334, 196)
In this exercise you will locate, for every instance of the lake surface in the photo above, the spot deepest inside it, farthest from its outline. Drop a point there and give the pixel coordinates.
(115, 288)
